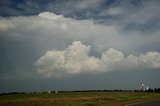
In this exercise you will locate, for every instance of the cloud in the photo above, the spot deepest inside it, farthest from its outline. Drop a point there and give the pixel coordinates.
(48, 28)
(26, 38)
(134, 15)
(72, 7)
(72, 60)
(75, 59)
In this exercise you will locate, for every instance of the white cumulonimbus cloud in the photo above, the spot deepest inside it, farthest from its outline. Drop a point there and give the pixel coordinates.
(75, 59)
(29, 37)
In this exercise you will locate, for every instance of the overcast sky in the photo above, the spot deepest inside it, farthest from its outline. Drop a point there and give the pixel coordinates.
(79, 44)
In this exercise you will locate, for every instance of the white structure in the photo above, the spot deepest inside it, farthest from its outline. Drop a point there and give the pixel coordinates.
(142, 87)
(147, 88)
(48, 91)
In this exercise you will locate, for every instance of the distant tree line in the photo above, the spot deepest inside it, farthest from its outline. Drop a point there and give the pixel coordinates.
(153, 90)
(115, 90)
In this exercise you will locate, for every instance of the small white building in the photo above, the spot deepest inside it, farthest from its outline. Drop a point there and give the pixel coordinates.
(142, 87)
(147, 88)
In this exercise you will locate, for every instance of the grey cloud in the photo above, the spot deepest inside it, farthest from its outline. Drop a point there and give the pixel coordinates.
(48, 27)
(27, 38)
(139, 15)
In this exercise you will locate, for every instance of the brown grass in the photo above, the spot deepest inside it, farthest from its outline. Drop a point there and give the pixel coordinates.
(77, 99)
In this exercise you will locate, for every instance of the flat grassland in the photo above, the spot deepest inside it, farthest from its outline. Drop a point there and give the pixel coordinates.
(77, 98)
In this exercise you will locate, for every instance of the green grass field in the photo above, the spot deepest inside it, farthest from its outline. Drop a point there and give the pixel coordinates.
(77, 98)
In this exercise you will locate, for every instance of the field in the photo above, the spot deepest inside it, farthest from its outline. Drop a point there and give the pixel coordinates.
(76, 98)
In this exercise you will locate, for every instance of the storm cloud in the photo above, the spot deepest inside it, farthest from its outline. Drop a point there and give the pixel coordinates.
(46, 31)
(79, 44)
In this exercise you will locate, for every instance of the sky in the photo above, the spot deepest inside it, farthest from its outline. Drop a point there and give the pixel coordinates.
(79, 44)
